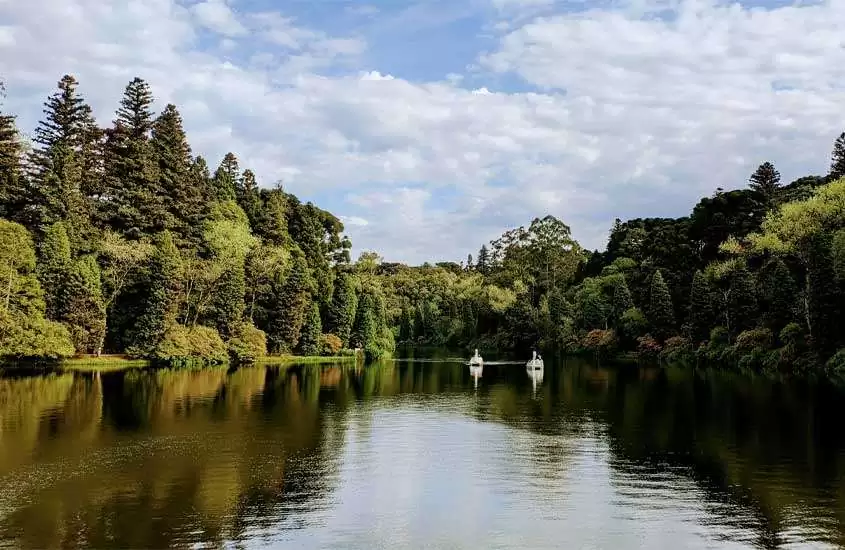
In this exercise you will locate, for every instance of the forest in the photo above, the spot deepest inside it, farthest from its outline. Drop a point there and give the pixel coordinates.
(120, 240)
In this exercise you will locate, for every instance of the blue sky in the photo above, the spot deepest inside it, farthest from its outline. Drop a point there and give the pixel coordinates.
(431, 127)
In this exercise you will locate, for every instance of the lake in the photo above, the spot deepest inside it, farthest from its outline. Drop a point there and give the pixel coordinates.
(419, 454)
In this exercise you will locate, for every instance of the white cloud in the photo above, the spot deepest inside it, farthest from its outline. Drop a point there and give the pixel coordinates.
(217, 16)
(633, 116)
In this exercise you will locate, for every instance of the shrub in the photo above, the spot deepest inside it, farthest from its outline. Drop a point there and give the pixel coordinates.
(647, 347)
(33, 338)
(330, 345)
(248, 344)
(184, 346)
(677, 349)
(835, 367)
(600, 341)
(760, 338)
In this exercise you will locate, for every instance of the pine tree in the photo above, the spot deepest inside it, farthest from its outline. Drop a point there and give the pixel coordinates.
(135, 199)
(837, 161)
(483, 263)
(229, 301)
(226, 178)
(248, 196)
(58, 163)
(702, 318)
(291, 308)
(54, 269)
(622, 300)
(742, 301)
(778, 295)
(159, 294)
(309, 340)
(84, 308)
(823, 296)
(272, 217)
(341, 312)
(13, 193)
(186, 194)
(469, 266)
(365, 331)
(766, 181)
(661, 315)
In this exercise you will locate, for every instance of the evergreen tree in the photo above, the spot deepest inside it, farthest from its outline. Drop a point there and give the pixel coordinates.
(291, 307)
(365, 329)
(661, 315)
(229, 300)
(823, 296)
(226, 178)
(136, 200)
(766, 181)
(341, 312)
(159, 297)
(54, 269)
(309, 340)
(778, 295)
(271, 223)
(13, 194)
(622, 300)
(84, 311)
(185, 193)
(58, 165)
(742, 301)
(837, 161)
(248, 196)
(469, 266)
(702, 317)
(483, 262)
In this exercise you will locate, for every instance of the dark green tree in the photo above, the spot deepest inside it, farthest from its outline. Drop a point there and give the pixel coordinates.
(271, 221)
(186, 204)
(226, 178)
(229, 300)
(84, 310)
(309, 340)
(341, 311)
(661, 314)
(293, 298)
(766, 181)
(54, 267)
(742, 301)
(483, 261)
(58, 163)
(702, 317)
(622, 300)
(837, 160)
(823, 296)
(13, 192)
(406, 325)
(158, 296)
(248, 196)
(778, 295)
(135, 196)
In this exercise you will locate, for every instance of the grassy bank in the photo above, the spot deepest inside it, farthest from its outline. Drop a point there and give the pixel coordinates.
(103, 363)
(290, 359)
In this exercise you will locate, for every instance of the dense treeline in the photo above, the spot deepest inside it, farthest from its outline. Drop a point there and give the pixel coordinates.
(120, 240)
(753, 278)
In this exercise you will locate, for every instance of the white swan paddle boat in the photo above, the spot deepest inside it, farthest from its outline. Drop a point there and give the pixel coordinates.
(476, 360)
(536, 362)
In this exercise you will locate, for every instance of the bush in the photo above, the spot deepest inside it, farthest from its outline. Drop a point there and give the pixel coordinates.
(33, 338)
(183, 346)
(633, 324)
(600, 341)
(677, 349)
(248, 344)
(760, 338)
(330, 345)
(647, 347)
(835, 367)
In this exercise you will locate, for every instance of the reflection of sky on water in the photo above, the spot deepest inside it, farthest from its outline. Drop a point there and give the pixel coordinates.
(413, 455)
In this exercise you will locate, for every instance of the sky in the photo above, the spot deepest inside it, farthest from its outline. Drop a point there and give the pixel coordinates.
(430, 127)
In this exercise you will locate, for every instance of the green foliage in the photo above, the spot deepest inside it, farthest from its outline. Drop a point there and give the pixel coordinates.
(330, 345)
(742, 301)
(54, 269)
(823, 296)
(602, 342)
(184, 346)
(285, 326)
(677, 350)
(752, 339)
(83, 309)
(248, 344)
(23, 337)
(661, 313)
(701, 312)
(648, 348)
(778, 294)
(632, 325)
(766, 181)
(309, 340)
(341, 311)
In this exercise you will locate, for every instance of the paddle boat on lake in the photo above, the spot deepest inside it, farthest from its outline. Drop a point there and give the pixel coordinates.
(476, 360)
(536, 362)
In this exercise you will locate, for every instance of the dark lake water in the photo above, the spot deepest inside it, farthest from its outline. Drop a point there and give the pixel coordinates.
(419, 454)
